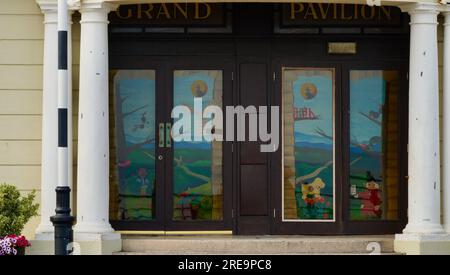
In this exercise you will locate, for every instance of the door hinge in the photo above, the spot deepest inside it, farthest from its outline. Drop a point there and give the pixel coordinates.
(232, 213)
(274, 213)
(407, 76)
(232, 76)
(274, 76)
(232, 148)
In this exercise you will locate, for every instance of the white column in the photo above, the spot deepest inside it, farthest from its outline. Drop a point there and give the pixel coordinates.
(424, 233)
(49, 162)
(424, 195)
(446, 124)
(49, 158)
(93, 120)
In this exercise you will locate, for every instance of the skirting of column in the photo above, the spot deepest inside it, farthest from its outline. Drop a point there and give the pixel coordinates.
(422, 244)
(97, 244)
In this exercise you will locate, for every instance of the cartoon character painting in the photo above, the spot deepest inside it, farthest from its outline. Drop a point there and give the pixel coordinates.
(145, 184)
(311, 196)
(371, 198)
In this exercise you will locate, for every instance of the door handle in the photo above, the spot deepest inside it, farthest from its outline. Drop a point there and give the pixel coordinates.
(168, 135)
(161, 135)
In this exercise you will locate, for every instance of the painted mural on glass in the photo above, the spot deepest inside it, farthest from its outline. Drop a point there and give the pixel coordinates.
(135, 136)
(373, 146)
(308, 144)
(197, 165)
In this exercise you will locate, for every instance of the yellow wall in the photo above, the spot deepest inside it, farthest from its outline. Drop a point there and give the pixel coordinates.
(21, 56)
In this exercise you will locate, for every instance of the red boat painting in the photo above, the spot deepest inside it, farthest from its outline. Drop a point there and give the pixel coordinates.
(304, 114)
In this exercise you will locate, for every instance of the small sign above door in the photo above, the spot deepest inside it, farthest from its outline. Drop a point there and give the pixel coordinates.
(332, 14)
(170, 15)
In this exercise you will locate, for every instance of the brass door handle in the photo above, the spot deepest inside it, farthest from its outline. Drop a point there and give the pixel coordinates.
(161, 135)
(168, 135)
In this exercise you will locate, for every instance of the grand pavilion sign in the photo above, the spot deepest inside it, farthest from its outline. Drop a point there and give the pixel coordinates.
(332, 14)
(292, 15)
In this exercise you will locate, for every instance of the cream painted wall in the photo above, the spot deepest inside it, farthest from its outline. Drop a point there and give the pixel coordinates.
(21, 58)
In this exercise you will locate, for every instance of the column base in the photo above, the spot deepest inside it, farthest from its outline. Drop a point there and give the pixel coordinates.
(43, 244)
(94, 228)
(45, 228)
(422, 244)
(97, 243)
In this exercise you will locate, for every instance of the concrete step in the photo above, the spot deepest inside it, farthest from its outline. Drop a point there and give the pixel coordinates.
(263, 245)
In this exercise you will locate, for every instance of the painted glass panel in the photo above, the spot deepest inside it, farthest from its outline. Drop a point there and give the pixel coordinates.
(197, 165)
(135, 95)
(373, 145)
(308, 125)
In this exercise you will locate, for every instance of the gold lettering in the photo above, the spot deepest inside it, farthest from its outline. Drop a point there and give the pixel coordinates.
(197, 11)
(163, 11)
(300, 8)
(141, 11)
(386, 11)
(364, 12)
(311, 11)
(335, 11)
(128, 16)
(324, 12)
(356, 7)
(183, 10)
(343, 15)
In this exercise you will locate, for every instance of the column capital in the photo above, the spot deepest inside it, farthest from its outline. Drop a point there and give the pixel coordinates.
(97, 5)
(420, 7)
(51, 6)
(422, 13)
(48, 6)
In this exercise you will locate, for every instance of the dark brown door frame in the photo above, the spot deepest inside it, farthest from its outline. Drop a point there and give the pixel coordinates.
(139, 63)
(373, 226)
(343, 225)
(294, 227)
(196, 63)
(164, 67)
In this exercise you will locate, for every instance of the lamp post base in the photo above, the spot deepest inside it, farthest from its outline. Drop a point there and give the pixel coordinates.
(62, 221)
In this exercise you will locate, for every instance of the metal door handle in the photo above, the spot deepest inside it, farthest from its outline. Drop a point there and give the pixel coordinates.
(160, 157)
(161, 135)
(168, 135)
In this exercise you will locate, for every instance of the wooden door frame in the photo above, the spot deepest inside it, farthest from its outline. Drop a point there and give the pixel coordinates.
(163, 67)
(307, 227)
(374, 226)
(196, 63)
(343, 225)
(138, 63)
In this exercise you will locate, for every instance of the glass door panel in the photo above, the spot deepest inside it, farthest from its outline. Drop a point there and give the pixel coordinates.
(308, 148)
(374, 132)
(134, 196)
(197, 163)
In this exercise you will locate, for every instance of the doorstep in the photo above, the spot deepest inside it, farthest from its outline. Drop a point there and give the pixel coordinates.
(263, 245)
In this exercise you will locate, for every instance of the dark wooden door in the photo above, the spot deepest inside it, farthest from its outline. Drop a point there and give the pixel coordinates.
(192, 188)
(366, 96)
(198, 190)
(253, 208)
